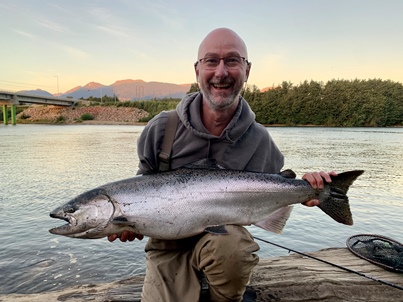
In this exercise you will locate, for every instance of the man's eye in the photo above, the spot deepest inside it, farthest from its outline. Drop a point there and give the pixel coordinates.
(232, 60)
(211, 60)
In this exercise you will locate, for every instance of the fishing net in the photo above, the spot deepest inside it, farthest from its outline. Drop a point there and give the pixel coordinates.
(380, 250)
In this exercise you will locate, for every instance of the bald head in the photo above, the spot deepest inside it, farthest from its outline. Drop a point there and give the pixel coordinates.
(221, 80)
(222, 40)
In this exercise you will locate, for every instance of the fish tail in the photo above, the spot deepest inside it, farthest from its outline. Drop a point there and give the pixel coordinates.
(335, 203)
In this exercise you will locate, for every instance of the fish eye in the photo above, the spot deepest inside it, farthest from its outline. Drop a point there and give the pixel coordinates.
(69, 209)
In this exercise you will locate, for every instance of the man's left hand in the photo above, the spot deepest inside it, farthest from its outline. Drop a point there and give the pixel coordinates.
(317, 181)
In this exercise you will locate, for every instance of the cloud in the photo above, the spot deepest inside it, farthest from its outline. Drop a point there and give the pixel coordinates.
(118, 32)
(74, 52)
(71, 51)
(168, 14)
(25, 34)
(53, 26)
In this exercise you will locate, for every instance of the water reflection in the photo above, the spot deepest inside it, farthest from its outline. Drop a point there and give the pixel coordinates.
(43, 166)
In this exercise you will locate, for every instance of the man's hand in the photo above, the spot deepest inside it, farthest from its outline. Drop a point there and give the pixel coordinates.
(316, 180)
(125, 236)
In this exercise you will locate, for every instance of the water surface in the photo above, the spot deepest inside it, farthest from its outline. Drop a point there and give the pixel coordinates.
(43, 166)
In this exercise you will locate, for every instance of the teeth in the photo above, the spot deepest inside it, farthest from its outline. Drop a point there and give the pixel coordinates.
(221, 85)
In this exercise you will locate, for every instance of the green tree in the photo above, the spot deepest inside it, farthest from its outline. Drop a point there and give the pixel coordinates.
(194, 88)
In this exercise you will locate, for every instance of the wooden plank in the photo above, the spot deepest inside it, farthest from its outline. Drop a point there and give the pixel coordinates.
(286, 278)
(126, 290)
(299, 278)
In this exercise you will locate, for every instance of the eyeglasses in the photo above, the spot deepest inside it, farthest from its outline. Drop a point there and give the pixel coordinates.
(229, 62)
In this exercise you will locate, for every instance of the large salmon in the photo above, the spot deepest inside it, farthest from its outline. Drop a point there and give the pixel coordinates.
(192, 200)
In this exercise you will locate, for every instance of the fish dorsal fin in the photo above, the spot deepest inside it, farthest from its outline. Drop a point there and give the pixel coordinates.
(276, 221)
(288, 174)
(208, 163)
(216, 230)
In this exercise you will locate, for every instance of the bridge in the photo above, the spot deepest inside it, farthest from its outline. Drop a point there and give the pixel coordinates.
(9, 98)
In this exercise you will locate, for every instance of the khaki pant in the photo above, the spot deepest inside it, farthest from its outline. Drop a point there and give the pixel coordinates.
(173, 267)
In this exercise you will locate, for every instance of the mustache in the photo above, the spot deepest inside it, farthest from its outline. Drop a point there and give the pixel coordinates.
(221, 82)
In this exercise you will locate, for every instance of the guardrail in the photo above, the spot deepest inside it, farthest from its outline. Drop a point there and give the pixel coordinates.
(17, 98)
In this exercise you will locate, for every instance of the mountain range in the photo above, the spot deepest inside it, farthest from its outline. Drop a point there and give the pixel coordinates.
(125, 90)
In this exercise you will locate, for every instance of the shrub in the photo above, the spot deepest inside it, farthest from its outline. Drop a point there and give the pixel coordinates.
(60, 119)
(24, 116)
(87, 117)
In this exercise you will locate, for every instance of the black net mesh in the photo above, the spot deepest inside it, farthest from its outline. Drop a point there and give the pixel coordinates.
(380, 250)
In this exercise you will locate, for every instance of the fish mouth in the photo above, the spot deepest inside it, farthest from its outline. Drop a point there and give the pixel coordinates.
(59, 217)
(63, 229)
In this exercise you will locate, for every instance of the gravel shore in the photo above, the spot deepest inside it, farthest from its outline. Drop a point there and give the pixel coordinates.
(63, 115)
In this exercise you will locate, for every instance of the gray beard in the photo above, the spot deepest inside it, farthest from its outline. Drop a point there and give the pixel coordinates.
(222, 105)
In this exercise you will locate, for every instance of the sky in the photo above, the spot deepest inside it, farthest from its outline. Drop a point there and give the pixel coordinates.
(58, 45)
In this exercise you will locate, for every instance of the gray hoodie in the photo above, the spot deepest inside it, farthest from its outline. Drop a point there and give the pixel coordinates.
(243, 145)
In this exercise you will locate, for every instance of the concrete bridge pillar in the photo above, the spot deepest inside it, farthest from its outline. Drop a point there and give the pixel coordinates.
(5, 115)
(13, 114)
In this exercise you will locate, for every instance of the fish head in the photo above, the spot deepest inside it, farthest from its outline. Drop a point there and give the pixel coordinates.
(87, 215)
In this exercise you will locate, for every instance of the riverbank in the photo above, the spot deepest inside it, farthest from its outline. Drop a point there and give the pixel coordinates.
(100, 115)
(285, 278)
(106, 115)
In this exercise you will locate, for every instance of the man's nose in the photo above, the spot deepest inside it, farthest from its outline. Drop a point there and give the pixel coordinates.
(221, 69)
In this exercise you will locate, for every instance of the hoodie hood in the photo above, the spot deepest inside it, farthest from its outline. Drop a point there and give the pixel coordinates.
(189, 113)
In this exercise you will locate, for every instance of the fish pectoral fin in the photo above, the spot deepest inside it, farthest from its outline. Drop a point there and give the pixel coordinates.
(276, 221)
(216, 230)
(121, 220)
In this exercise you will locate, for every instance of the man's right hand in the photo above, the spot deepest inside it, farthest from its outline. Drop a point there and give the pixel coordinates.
(125, 236)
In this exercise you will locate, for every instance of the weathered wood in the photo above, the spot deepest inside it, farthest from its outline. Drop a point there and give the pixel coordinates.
(126, 290)
(286, 278)
(299, 278)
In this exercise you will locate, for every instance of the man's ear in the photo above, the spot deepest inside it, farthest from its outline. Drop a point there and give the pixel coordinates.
(197, 73)
(196, 70)
(248, 67)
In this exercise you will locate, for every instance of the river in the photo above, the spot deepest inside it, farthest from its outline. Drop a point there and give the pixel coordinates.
(43, 166)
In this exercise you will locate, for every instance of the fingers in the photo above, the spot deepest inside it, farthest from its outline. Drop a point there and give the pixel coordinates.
(125, 236)
(113, 237)
(311, 203)
(317, 179)
(131, 236)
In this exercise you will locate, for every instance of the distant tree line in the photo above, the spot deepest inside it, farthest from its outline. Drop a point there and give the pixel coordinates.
(338, 103)
(373, 103)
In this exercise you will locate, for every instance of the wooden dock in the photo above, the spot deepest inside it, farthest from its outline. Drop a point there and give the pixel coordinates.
(286, 278)
(299, 278)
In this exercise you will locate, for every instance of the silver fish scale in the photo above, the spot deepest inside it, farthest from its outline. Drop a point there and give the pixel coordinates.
(181, 204)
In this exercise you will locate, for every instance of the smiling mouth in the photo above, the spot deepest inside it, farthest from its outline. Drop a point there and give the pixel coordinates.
(221, 86)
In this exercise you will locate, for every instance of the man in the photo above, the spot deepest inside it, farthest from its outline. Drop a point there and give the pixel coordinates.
(214, 123)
